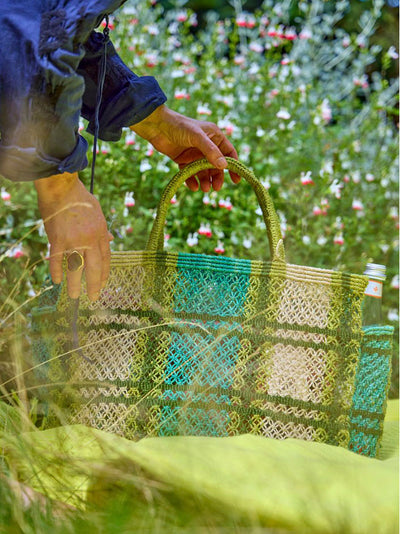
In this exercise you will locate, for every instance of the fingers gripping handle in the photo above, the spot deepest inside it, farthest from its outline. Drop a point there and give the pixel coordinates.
(156, 239)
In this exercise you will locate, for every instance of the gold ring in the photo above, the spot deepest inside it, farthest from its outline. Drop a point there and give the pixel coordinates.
(75, 261)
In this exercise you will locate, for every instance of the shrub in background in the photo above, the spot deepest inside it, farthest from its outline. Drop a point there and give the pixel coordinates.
(296, 102)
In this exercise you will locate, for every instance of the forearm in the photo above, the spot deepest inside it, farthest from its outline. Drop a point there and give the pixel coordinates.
(154, 123)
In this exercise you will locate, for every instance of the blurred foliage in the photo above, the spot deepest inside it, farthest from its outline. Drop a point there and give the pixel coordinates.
(295, 94)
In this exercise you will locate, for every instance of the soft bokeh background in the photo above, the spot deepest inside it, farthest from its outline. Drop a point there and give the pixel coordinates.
(307, 91)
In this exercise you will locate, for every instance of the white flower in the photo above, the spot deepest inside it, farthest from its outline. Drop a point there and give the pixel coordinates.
(305, 33)
(177, 73)
(346, 41)
(306, 239)
(152, 29)
(392, 53)
(247, 242)
(395, 282)
(321, 241)
(144, 166)
(369, 177)
(393, 315)
(256, 47)
(5, 195)
(326, 111)
(306, 178)
(335, 188)
(357, 205)
(203, 110)
(283, 114)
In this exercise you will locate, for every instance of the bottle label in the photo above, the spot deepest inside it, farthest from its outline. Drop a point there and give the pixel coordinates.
(374, 289)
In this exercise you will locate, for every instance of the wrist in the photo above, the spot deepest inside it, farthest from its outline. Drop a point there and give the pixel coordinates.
(56, 187)
(153, 124)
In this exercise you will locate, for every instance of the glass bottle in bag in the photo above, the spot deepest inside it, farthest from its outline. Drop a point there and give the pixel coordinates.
(372, 304)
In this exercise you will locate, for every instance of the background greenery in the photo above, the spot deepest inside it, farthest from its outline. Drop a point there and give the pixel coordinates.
(307, 92)
(292, 87)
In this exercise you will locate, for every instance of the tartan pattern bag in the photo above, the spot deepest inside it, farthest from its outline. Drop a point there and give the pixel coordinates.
(192, 344)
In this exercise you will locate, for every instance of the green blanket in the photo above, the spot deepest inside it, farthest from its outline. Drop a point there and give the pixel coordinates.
(288, 485)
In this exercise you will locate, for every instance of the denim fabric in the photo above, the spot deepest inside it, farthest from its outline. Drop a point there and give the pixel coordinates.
(49, 57)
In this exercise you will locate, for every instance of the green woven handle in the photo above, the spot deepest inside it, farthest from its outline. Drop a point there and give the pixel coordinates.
(156, 239)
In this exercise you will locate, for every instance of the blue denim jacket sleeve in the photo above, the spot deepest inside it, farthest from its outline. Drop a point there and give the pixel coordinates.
(127, 98)
(42, 94)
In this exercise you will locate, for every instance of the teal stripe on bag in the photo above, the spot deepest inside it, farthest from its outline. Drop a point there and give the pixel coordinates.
(217, 288)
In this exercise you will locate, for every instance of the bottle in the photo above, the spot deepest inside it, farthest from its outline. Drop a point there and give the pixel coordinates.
(372, 305)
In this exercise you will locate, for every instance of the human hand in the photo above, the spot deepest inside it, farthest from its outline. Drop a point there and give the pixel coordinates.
(185, 140)
(73, 220)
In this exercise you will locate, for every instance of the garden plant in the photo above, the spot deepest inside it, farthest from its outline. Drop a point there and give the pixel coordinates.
(305, 110)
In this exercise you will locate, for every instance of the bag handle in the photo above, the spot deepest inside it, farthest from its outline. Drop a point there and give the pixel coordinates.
(156, 239)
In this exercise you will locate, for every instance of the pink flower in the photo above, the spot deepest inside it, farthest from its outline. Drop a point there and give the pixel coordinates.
(181, 16)
(256, 47)
(346, 41)
(326, 111)
(241, 21)
(285, 61)
(273, 92)
(181, 94)
(239, 60)
(357, 205)
(134, 21)
(5, 195)
(16, 252)
(346, 178)
(151, 60)
(206, 199)
(219, 249)
(317, 210)
(150, 151)
(228, 204)
(129, 200)
(369, 177)
(203, 110)
(203, 230)
(130, 139)
(306, 179)
(129, 229)
(189, 70)
(338, 239)
(290, 34)
(173, 200)
(221, 203)
(226, 126)
(361, 82)
(272, 32)
(110, 24)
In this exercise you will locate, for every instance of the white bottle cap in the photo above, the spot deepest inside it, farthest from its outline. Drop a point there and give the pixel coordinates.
(375, 271)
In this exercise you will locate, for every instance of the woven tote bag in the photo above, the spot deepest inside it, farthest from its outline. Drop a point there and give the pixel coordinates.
(191, 344)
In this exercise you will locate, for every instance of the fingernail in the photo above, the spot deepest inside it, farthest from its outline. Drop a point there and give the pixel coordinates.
(221, 163)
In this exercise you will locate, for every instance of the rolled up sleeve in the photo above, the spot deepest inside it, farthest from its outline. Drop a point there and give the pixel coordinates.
(40, 96)
(127, 98)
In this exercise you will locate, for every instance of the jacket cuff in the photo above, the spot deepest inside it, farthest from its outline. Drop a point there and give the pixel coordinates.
(27, 164)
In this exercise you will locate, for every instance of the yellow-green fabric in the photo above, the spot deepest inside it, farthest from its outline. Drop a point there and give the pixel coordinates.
(293, 485)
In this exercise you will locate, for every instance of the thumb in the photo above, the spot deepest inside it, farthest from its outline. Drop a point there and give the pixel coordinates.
(211, 151)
